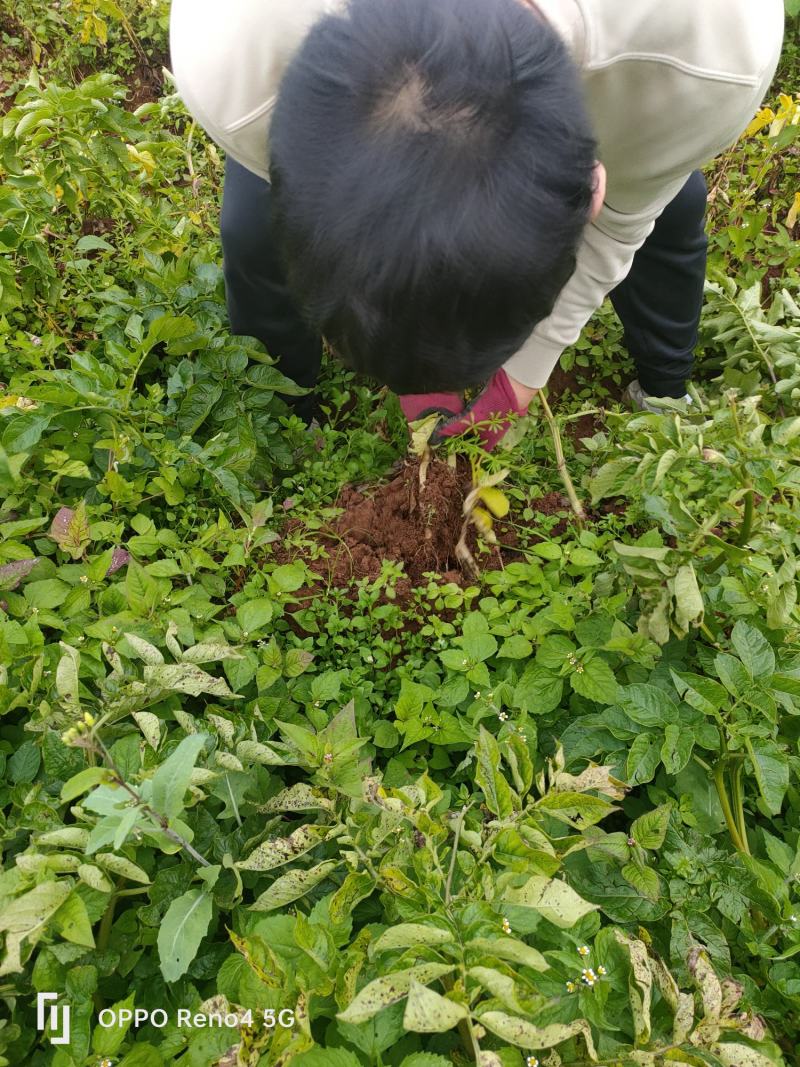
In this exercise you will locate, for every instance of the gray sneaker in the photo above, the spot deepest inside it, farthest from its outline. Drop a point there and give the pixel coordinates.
(639, 400)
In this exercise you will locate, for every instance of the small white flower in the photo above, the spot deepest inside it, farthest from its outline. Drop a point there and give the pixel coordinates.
(531, 1062)
(506, 926)
(792, 918)
(328, 757)
(478, 695)
(583, 950)
(601, 969)
(84, 578)
(571, 987)
(503, 716)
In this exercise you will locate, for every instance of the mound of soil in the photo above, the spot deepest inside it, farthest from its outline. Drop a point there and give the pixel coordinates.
(405, 522)
(417, 525)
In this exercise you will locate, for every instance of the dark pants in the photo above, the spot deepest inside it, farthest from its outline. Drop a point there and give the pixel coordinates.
(658, 303)
(258, 300)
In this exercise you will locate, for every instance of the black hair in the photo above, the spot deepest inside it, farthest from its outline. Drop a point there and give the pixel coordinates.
(432, 170)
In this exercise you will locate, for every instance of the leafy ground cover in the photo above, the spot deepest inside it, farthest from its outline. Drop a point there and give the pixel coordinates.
(271, 754)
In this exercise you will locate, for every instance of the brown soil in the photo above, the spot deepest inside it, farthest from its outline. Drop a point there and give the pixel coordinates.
(401, 521)
(418, 527)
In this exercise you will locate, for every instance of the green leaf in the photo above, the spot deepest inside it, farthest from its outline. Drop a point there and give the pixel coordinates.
(73, 923)
(427, 1012)
(389, 989)
(515, 647)
(753, 650)
(538, 691)
(254, 614)
(293, 885)
(650, 829)
(23, 766)
(496, 790)
(24, 432)
(172, 778)
(596, 681)
(182, 929)
(46, 594)
(326, 1057)
(83, 780)
(477, 642)
(408, 935)
(644, 757)
(426, 1059)
(771, 768)
(107, 1040)
(552, 898)
(643, 879)
(525, 1035)
(648, 705)
(510, 950)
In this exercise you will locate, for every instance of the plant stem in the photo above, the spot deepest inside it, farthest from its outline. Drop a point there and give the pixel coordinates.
(737, 799)
(722, 793)
(574, 499)
(456, 836)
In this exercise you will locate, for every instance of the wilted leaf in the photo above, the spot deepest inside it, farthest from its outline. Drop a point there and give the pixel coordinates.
(280, 850)
(407, 935)
(70, 530)
(553, 899)
(11, 574)
(389, 989)
(293, 885)
(525, 1035)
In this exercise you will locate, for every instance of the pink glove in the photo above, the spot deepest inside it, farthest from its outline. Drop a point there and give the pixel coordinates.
(497, 398)
(418, 405)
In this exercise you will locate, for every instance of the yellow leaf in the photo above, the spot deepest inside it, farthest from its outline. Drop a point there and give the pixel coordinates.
(495, 500)
(762, 119)
(482, 519)
(794, 211)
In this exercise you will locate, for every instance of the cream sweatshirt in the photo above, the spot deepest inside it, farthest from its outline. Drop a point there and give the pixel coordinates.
(669, 85)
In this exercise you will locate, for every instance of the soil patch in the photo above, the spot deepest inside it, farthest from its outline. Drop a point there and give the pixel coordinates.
(404, 522)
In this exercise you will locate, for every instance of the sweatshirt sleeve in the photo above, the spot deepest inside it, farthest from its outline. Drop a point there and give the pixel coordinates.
(603, 260)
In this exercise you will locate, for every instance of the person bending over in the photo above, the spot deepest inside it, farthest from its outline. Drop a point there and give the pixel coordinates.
(446, 190)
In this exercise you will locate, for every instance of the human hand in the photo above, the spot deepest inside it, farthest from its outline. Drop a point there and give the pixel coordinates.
(501, 398)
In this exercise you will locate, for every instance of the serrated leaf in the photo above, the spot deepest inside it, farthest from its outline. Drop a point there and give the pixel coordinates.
(390, 989)
(182, 929)
(596, 681)
(643, 879)
(650, 829)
